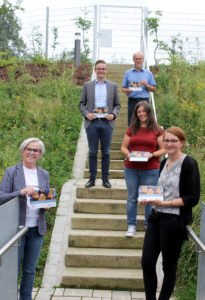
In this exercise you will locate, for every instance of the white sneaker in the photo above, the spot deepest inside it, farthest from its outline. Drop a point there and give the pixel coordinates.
(131, 230)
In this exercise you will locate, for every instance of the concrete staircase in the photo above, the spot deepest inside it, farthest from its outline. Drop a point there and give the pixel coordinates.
(99, 255)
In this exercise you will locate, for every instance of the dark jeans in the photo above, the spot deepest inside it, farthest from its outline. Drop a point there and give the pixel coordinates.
(163, 235)
(99, 131)
(29, 252)
(131, 106)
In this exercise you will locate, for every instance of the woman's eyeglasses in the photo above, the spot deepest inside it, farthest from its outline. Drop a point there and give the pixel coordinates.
(172, 141)
(34, 150)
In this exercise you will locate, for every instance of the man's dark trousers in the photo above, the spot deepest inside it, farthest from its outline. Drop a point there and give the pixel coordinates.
(99, 130)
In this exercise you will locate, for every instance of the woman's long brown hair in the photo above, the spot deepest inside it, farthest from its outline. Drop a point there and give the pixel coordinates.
(151, 123)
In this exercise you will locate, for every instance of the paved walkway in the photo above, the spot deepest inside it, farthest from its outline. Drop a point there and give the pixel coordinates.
(85, 294)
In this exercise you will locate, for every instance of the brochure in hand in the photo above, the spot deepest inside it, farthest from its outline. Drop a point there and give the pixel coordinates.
(100, 112)
(139, 156)
(43, 198)
(135, 87)
(150, 192)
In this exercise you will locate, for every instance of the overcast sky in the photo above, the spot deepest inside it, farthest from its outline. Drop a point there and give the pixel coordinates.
(172, 6)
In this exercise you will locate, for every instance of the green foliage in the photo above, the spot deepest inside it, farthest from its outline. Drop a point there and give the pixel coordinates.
(188, 263)
(6, 59)
(48, 110)
(181, 101)
(37, 40)
(55, 39)
(175, 50)
(152, 26)
(10, 40)
(84, 24)
(39, 59)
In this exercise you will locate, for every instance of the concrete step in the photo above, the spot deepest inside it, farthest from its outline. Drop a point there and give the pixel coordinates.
(114, 174)
(118, 68)
(103, 278)
(119, 130)
(105, 239)
(103, 258)
(103, 206)
(98, 192)
(114, 164)
(100, 206)
(103, 222)
(114, 154)
(117, 137)
(121, 122)
(117, 174)
(122, 115)
(116, 145)
(123, 110)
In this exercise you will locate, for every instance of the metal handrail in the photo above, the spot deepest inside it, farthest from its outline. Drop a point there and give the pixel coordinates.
(197, 241)
(13, 240)
(144, 47)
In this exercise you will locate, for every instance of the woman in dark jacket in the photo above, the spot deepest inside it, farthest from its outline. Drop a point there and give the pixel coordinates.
(166, 231)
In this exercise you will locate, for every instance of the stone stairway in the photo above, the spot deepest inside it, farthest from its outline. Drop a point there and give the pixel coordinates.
(99, 255)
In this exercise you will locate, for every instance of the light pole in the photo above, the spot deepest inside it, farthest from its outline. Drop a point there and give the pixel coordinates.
(77, 49)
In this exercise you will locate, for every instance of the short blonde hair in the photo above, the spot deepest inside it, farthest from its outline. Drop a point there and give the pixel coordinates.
(26, 142)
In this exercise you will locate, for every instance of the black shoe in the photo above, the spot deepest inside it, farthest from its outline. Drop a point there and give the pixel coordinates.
(106, 183)
(90, 183)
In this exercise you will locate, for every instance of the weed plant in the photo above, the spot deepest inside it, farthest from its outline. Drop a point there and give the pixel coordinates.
(180, 101)
(48, 110)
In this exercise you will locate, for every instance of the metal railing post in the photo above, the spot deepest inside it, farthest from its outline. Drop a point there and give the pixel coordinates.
(144, 43)
(201, 260)
(47, 32)
(95, 33)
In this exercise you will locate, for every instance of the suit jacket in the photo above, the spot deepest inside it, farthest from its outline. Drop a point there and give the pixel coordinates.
(13, 182)
(87, 102)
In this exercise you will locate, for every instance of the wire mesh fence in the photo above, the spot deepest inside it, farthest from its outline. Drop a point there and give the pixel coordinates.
(115, 33)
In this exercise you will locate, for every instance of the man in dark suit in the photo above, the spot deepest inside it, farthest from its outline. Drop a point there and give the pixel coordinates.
(99, 106)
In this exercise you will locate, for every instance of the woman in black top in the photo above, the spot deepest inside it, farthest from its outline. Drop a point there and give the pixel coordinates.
(166, 231)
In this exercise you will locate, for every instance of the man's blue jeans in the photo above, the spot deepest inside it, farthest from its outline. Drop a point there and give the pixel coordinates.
(99, 131)
(134, 178)
(29, 252)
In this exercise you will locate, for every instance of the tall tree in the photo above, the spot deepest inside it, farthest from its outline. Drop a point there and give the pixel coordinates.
(10, 40)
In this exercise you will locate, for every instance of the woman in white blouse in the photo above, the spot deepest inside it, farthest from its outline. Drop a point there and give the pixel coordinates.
(21, 181)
